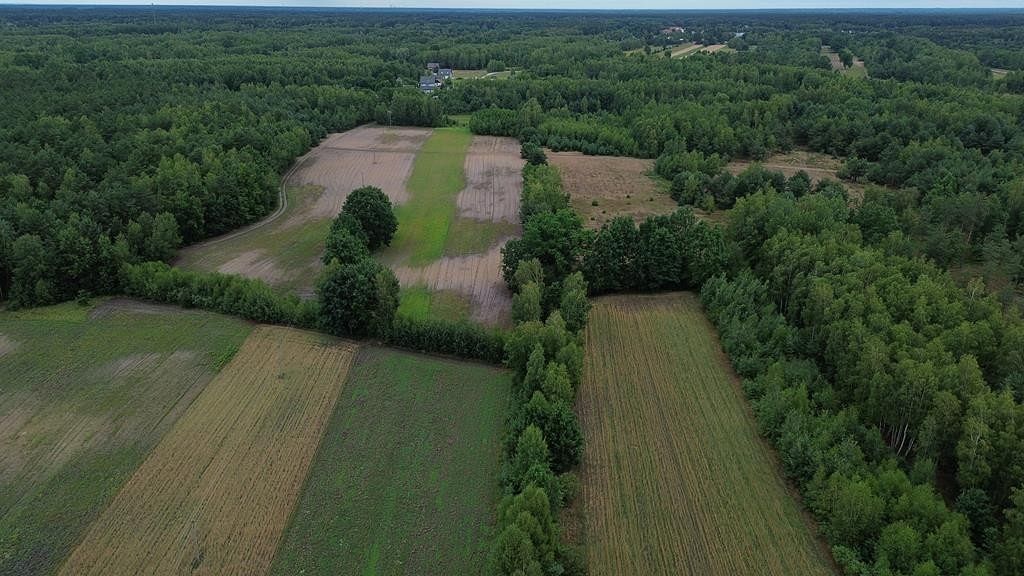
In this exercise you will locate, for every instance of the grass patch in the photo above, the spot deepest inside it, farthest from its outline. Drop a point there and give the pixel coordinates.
(469, 236)
(436, 180)
(406, 477)
(82, 403)
(676, 479)
(420, 303)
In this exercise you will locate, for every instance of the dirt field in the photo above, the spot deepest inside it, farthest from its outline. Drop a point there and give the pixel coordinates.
(494, 180)
(286, 252)
(476, 277)
(216, 492)
(711, 49)
(676, 480)
(84, 396)
(620, 186)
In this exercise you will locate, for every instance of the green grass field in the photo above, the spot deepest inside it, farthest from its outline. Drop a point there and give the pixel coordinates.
(83, 400)
(420, 303)
(676, 479)
(406, 477)
(436, 180)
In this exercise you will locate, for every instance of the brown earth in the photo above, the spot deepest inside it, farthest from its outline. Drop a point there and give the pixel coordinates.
(619, 185)
(366, 156)
(475, 276)
(494, 180)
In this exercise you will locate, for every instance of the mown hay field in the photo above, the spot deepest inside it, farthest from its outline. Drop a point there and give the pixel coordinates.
(675, 478)
(85, 395)
(406, 478)
(215, 494)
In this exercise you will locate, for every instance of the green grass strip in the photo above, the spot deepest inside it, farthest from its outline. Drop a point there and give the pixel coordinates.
(436, 180)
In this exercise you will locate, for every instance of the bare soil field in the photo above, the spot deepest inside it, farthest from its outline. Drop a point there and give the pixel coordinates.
(675, 478)
(286, 252)
(475, 277)
(711, 49)
(215, 494)
(603, 187)
(494, 180)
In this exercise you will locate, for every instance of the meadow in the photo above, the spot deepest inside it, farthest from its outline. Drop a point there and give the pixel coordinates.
(676, 479)
(86, 394)
(217, 491)
(406, 477)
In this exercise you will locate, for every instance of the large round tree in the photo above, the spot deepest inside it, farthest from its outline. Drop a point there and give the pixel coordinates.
(372, 208)
(357, 299)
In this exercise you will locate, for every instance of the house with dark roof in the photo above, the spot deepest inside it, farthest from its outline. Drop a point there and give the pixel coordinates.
(445, 74)
(429, 83)
(433, 66)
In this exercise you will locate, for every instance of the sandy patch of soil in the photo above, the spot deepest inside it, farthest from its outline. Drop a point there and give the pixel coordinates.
(620, 186)
(253, 264)
(476, 276)
(494, 180)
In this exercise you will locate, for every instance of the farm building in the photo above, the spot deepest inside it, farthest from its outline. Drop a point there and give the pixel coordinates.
(445, 74)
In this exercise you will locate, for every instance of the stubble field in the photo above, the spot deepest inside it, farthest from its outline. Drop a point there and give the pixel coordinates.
(216, 493)
(85, 395)
(676, 479)
(407, 475)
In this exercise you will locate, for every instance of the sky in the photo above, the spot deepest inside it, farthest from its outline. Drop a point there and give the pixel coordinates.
(564, 4)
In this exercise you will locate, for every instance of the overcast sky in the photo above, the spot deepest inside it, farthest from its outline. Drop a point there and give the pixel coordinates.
(576, 4)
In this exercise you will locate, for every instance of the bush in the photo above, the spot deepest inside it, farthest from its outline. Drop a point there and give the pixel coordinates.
(461, 339)
(533, 153)
(224, 293)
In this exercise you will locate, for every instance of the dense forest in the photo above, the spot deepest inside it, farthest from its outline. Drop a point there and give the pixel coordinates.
(879, 333)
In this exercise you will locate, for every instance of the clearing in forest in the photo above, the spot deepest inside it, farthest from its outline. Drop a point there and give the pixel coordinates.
(407, 475)
(285, 251)
(463, 205)
(84, 396)
(675, 478)
(603, 187)
(215, 494)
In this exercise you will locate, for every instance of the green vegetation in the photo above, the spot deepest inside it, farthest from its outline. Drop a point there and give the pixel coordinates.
(437, 178)
(420, 303)
(469, 236)
(406, 477)
(87, 393)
